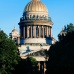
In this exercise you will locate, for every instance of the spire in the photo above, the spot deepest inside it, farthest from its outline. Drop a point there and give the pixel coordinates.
(14, 27)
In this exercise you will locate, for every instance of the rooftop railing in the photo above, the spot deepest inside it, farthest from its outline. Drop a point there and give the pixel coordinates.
(36, 19)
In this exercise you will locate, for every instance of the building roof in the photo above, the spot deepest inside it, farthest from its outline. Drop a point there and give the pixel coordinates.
(14, 30)
(35, 6)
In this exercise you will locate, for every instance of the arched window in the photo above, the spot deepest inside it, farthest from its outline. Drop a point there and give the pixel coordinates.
(33, 16)
(37, 17)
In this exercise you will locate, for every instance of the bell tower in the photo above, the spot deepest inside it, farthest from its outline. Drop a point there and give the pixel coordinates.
(14, 35)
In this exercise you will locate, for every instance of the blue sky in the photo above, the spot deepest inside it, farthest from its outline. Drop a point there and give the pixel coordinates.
(61, 12)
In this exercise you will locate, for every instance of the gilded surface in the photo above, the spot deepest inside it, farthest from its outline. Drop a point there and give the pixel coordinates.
(36, 6)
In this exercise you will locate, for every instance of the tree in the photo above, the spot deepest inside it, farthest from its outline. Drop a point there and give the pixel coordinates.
(2, 35)
(31, 65)
(65, 30)
(8, 54)
(61, 55)
(70, 27)
(27, 66)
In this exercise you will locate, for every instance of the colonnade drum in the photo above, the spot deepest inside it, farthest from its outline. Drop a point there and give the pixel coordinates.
(35, 31)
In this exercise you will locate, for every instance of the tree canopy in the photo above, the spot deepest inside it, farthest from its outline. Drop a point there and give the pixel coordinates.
(67, 29)
(8, 54)
(27, 66)
(61, 55)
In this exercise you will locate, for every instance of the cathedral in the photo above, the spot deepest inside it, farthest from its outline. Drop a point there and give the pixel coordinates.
(35, 35)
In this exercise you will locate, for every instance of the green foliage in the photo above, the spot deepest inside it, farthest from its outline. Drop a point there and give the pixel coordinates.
(27, 66)
(61, 55)
(70, 27)
(2, 35)
(32, 61)
(67, 29)
(8, 54)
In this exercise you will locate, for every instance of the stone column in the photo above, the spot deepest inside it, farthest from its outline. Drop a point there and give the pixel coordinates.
(43, 31)
(41, 67)
(20, 31)
(50, 31)
(24, 32)
(31, 31)
(34, 31)
(18, 40)
(45, 67)
(27, 31)
(39, 31)
(47, 32)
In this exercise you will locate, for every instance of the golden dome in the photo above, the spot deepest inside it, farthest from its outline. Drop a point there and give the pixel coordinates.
(35, 6)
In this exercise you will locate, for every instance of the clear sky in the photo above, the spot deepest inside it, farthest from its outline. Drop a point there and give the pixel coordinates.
(61, 12)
